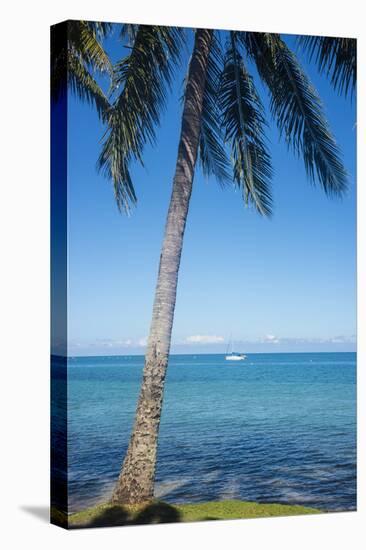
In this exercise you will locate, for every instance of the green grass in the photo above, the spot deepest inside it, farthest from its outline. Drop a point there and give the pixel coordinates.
(233, 509)
(161, 512)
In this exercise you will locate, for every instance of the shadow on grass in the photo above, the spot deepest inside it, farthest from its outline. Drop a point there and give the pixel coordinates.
(158, 513)
(112, 516)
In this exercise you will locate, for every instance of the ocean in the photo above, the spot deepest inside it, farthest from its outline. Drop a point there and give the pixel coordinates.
(274, 428)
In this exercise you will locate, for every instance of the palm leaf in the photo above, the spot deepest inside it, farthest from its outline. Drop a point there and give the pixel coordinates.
(337, 57)
(116, 156)
(101, 29)
(297, 109)
(128, 32)
(244, 123)
(83, 39)
(83, 85)
(212, 153)
(58, 61)
(143, 77)
(83, 56)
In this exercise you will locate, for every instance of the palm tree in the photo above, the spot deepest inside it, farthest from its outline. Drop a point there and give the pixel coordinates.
(222, 110)
(136, 481)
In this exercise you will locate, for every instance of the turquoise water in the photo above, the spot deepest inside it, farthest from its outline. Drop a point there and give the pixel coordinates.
(275, 428)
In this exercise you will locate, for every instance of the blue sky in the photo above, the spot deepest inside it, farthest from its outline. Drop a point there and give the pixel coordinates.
(284, 284)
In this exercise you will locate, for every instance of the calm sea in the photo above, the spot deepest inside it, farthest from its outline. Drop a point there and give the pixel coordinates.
(275, 428)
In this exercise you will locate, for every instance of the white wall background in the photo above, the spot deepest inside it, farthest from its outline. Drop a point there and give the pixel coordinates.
(24, 300)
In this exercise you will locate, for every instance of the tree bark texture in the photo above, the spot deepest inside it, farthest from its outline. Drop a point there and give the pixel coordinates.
(136, 481)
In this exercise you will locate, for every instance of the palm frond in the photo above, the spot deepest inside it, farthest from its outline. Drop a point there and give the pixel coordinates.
(116, 156)
(58, 61)
(244, 124)
(128, 32)
(100, 28)
(143, 77)
(336, 57)
(83, 42)
(212, 153)
(297, 110)
(76, 57)
(83, 85)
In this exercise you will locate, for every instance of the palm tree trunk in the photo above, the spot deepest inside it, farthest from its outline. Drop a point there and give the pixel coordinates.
(136, 481)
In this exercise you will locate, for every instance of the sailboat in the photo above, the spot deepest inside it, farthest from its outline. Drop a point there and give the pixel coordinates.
(233, 355)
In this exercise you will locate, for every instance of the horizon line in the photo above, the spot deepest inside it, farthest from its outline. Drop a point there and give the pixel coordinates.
(194, 354)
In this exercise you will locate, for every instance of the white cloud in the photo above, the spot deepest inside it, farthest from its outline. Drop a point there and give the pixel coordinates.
(108, 343)
(343, 339)
(204, 339)
(271, 339)
(267, 343)
(112, 343)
